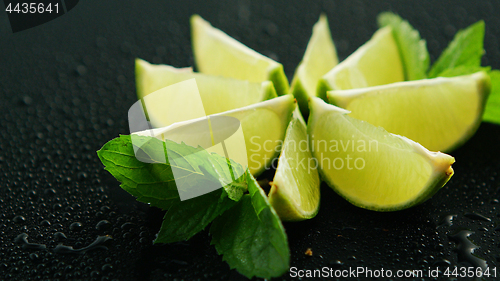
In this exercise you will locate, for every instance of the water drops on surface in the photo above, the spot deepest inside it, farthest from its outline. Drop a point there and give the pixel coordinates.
(336, 263)
(127, 226)
(446, 220)
(76, 226)
(50, 191)
(477, 216)
(23, 240)
(97, 244)
(103, 225)
(34, 257)
(26, 100)
(59, 236)
(19, 219)
(465, 249)
(442, 262)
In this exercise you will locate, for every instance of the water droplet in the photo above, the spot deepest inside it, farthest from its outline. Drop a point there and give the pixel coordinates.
(127, 226)
(477, 216)
(19, 219)
(27, 100)
(59, 236)
(103, 225)
(81, 70)
(97, 244)
(23, 239)
(76, 226)
(336, 263)
(465, 249)
(447, 220)
(34, 257)
(50, 191)
(107, 267)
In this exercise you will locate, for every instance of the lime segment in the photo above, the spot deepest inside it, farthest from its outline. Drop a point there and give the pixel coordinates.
(216, 53)
(377, 62)
(319, 58)
(370, 167)
(218, 94)
(295, 188)
(263, 124)
(439, 113)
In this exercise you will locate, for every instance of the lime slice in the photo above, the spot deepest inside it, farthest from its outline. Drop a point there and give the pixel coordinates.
(319, 58)
(377, 62)
(216, 53)
(263, 124)
(439, 113)
(370, 167)
(295, 188)
(218, 94)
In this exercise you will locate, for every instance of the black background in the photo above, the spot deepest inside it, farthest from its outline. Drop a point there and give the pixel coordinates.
(66, 86)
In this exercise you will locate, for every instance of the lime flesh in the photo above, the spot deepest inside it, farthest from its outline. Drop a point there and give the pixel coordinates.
(263, 124)
(439, 113)
(295, 189)
(377, 62)
(218, 94)
(217, 53)
(370, 167)
(319, 58)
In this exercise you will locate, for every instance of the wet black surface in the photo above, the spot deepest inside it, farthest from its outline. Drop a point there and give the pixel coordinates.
(66, 86)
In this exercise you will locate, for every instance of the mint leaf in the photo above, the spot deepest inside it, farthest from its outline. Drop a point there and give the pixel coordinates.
(412, 48)
(186, 218)
(466, 49)
(492, 109)
(463, 70)
(250, 236)
(154, 183)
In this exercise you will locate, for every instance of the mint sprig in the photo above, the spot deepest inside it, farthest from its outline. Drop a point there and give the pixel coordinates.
(492, 109)
(186, 218)
(412, 48)
(246, 231)
(251, 237)
(155, 183)
(461, 57)
(466, 49)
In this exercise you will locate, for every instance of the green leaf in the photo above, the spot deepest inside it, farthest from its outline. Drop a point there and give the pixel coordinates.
(186, 218)
(412, 48)
(466, 49)
(492, 109)
(463, 70)
(154, 183)
(250, 236)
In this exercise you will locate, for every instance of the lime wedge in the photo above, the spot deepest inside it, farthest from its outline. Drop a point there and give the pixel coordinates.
(319, 58)
(370, 167)
(217, 93)
(440, 113)
(263, 124)
(216, 53)
(377, 62)
(295, 188)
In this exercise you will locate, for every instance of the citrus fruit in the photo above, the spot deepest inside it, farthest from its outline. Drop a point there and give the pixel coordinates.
(263, 124)
(377, 62)
(217, 93)
(295, 190)
(217, 53)
(370, 167)
(439, 113)
(319, 58)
